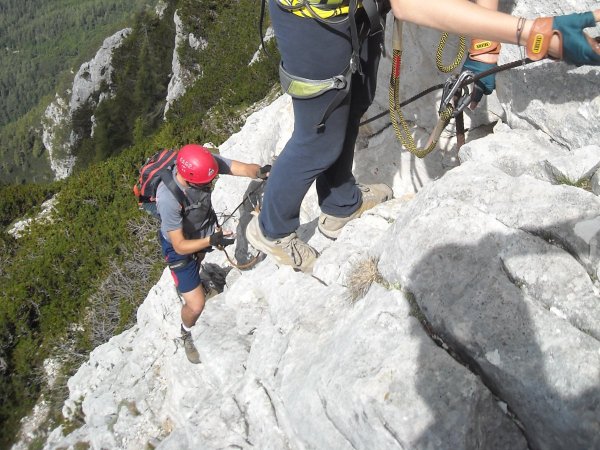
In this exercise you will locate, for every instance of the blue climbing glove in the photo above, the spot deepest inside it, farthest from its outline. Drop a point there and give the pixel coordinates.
(577, 47)
(485, 85)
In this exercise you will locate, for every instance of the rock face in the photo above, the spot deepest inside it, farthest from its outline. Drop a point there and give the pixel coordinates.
(479, 328)
(506, 281)
(58, 135)
(16, 230)
(182, 77)
(58, 138)
(92, 74)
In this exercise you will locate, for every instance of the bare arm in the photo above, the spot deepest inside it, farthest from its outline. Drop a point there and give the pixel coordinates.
(185, 246)
(464, 17)
(489, 4)
(487, 57)
(459, 17)
(242, 169)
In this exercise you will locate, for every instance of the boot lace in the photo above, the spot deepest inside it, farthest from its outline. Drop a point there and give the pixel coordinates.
(298, 250)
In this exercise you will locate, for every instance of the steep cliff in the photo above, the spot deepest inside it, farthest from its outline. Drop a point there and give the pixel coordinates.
(91, 84)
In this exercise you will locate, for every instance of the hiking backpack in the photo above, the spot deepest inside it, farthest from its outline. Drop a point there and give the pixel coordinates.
(198, 216)
(150, 177)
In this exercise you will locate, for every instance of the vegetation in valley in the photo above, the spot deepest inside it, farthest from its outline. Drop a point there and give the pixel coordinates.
(42, 43)
(54, 277)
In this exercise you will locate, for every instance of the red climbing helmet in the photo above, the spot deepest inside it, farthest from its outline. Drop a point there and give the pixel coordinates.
(196, 164)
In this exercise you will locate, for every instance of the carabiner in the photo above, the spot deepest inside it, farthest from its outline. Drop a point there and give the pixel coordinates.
(451, 90)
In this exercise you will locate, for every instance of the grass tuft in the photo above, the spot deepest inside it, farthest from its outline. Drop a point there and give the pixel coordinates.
(364, 274)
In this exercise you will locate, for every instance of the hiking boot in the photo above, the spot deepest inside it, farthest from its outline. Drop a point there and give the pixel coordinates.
(190, 349)
(372, 194)
(288, 250)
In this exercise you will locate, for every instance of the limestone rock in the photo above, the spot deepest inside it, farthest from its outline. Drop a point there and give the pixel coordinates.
(58, 135)
(57, 120)
(577, 167)
(514, 298)
(92, 74)
(182, 77)
(559, 99)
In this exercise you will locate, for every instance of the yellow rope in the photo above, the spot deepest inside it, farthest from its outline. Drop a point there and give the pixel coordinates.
(401, 128)
(439, 54)
(400, 125)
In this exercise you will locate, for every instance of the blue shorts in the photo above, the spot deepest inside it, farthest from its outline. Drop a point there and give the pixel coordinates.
(187, 276)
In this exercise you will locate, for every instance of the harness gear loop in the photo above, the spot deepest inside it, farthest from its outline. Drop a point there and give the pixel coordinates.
(303, 88)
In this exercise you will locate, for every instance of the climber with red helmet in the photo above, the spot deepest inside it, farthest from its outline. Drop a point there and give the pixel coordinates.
(188, 224)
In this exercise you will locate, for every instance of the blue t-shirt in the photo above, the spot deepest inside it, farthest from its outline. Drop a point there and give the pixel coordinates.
(169, 208)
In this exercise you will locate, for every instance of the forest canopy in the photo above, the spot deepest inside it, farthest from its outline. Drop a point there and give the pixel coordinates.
(39, 40)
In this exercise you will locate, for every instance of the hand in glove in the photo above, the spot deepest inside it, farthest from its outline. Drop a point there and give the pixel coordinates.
(485, 85)
(575, 46)
(263, 172)
(483, 56)
(219, 239)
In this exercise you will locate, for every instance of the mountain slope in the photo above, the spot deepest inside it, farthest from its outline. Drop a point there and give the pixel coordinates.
(41, 45)
(58, 270)
(463, 316)
(41, 40)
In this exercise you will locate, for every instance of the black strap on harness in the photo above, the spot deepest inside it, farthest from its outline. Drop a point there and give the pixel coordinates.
(376, 24)
(353, 67)
(166, 177)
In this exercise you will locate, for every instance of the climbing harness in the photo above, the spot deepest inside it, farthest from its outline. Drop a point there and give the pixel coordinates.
(332, 12)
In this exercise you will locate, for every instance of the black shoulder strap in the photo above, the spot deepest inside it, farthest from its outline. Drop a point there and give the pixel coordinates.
(260, 27)
(376, 12)
(167, 177)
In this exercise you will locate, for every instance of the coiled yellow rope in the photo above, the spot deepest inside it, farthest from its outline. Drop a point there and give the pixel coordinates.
(439, 54)
(401, 128)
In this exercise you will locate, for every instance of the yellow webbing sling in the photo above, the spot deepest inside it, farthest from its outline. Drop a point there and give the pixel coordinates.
(321, 9)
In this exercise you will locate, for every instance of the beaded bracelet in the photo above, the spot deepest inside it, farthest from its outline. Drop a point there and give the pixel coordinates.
(520, 28)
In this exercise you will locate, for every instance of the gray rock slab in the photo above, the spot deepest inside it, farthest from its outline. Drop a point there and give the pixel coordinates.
(577, 167)
(483, 282)
(561, 100)
(371, 379)
(524, 203)
(520, 152)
